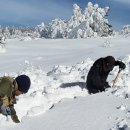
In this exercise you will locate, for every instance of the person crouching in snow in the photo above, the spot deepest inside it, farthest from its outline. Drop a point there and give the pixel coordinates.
(97, 76)
(9, 88)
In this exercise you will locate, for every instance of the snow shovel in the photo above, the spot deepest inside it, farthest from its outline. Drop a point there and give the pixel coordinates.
(115, 80)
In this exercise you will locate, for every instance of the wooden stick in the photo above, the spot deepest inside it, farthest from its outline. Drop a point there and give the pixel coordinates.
(115, 80)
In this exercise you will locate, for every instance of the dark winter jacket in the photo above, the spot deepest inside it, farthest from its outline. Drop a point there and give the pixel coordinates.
(97, 76)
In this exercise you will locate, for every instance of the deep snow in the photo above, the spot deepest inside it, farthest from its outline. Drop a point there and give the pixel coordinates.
(58, 70)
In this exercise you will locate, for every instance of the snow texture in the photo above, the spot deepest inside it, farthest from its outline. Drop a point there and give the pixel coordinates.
(58, 98)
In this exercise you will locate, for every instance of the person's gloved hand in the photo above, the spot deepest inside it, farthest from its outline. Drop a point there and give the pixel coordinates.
(122, 66)
(5, 110)
(15, 118)
(106, 85)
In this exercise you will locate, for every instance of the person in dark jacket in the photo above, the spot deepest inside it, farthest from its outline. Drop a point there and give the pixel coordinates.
(97, 76)
(9, 88)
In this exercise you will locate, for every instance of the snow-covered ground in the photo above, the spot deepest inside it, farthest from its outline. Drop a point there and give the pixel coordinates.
(58, 99)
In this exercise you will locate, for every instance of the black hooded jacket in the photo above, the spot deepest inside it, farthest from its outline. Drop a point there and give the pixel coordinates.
(97, 76)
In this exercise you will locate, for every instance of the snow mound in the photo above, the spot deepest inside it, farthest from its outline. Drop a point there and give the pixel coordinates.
(26, 38)
(46, 90)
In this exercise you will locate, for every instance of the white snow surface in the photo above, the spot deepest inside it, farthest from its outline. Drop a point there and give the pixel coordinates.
(58, 99)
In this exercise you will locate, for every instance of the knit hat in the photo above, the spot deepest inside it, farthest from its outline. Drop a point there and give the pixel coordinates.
(23, 82)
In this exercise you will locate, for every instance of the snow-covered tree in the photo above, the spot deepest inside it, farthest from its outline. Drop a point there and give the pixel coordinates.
(57, 29)
(16, 32)
(88, 10)
(77, 18)
(6, 32)
(1, 31)
(42, 30)
(94, 22)
(125, 30)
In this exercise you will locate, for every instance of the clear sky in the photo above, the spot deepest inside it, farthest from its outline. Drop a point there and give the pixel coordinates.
(33, 12)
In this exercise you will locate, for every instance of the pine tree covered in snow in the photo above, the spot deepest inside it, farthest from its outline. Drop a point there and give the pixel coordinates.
(77, 18)
(88, 23)
(43, 31)
(6, 32)
(57, 29)
(93, 23)
(125, 30)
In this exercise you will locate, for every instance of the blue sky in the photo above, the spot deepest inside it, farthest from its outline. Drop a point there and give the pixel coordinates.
(33, 12)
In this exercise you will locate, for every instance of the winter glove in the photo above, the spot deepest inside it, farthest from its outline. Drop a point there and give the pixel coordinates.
(122, 66)
(5, 110)
(106, 85)
(15, 118)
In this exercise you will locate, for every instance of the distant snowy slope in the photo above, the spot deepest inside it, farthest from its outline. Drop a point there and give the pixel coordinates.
(48, 53)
